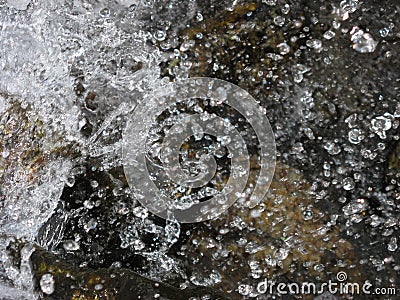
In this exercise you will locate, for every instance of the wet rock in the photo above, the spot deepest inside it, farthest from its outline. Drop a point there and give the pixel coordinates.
(34, 158)
(331, 107)
(59, 279)
(56, 278)
(286, 238)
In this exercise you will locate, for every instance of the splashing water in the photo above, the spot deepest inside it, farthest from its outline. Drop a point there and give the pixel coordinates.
(72, 73)
(60, 49)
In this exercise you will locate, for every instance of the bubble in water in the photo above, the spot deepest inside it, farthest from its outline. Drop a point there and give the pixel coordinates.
(47, 284)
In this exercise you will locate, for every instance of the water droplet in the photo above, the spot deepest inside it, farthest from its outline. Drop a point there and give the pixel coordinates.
(12, 125)
(319, 268)
(380, 125)
(355, 136)
(314, 44)
(89, 204)
(222, 94)
(355, 207)
(70, 181)
(90, 225)
(351, 120)
(253, 247)
(392, 246)
(335, 24)
(362, 42)
(225, 140)
(269, 2)
(285, 9)
(98, 287)
(328, 35)
(199, 17)
(349, 6)
(283, 48)
(70, 245)
(244, 289)
(279, 21)
(132, 8)
(309, 133)
(348, 184)
(307, 215)
(160, 35)
(47, 284)
(5, 153)
(104, 12)
(147, 3)
(140, 212)
(94, 184)
(332, 148)
(186, 45)
(281, 254)
(384, 32)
